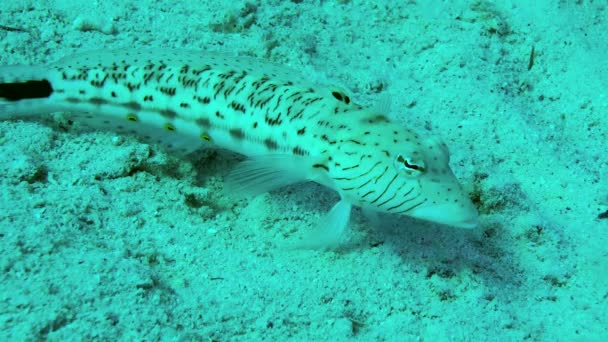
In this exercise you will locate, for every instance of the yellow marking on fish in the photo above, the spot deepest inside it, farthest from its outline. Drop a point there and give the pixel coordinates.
(205, 137)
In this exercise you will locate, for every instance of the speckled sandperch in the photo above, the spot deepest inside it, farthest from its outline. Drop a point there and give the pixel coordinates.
(292, 130)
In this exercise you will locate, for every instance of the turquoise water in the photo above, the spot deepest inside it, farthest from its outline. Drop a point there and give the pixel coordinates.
(106, 238)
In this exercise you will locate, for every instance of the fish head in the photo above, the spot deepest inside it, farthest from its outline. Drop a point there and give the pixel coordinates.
(393, 169)
(441, 196)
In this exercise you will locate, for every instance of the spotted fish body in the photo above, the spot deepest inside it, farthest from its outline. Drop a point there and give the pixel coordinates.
(292, 130)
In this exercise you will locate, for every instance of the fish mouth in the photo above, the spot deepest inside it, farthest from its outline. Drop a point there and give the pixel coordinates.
(459, 215)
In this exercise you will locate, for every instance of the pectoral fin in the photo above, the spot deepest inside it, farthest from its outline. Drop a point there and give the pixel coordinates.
(330, 231)
(265, 173)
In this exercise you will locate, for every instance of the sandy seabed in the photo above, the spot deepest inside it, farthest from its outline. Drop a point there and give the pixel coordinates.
(107, 238)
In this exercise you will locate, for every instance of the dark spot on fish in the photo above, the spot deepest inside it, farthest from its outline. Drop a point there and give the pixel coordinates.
(341, 97)
(133, 105)
(98, 101)
(148, 76)
(219, 115)
(203, 122)
(299, 151)
(273, 121)
(271, 144)
(237, 133)
(326, 138)
(168, 113)
(167, 91)
(377, 119)
(237, 107)
(321, 166)
(301, 131)
(133, 87)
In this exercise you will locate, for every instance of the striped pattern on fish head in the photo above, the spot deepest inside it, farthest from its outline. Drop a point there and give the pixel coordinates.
(385, 167)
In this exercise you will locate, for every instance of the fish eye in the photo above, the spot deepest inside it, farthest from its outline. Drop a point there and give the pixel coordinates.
(409, 166)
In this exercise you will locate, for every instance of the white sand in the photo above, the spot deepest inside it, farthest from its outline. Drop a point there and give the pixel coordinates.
(107, 238)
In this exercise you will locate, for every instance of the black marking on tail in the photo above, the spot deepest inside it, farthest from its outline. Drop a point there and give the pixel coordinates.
(25, 90)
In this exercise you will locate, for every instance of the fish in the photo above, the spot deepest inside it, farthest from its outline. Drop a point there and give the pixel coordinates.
(290, 129)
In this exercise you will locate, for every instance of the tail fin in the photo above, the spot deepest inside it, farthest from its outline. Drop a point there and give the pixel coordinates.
(24, 90)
